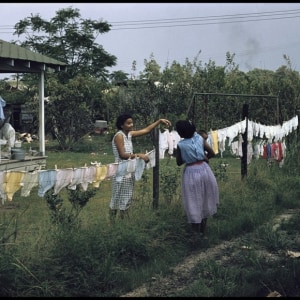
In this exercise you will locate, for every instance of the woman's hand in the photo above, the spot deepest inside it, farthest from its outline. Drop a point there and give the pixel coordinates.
(144, 157)
(166, 122)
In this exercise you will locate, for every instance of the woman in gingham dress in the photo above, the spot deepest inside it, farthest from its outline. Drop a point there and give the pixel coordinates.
(122, 190)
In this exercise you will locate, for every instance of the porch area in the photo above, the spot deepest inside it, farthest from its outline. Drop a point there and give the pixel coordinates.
(29, 163)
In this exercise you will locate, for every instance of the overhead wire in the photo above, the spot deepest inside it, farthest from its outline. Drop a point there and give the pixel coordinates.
(208, 20)
(194, 21)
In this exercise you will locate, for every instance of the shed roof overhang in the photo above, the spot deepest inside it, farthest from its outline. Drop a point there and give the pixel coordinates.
(16, 59)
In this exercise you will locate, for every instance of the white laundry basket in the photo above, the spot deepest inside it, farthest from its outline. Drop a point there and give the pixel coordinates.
(18, 144)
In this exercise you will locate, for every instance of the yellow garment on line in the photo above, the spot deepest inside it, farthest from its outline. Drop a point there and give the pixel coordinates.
(101, 172)
(215, 141)
(12, 183)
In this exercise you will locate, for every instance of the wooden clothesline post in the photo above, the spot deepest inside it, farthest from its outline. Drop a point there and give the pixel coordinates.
(245, 142)
(156, 169)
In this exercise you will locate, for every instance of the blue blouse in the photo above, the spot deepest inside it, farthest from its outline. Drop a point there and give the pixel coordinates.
(192, 149)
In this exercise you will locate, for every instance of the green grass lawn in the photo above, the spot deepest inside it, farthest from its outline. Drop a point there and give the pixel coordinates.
(59, 253)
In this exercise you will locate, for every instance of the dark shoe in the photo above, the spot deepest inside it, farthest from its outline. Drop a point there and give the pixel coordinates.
(112, 215)
(203, 236)
(203, 226)
(196, 227)
(124, 214)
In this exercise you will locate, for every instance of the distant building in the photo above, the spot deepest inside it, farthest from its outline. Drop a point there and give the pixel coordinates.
(100, 126)
(20, 117)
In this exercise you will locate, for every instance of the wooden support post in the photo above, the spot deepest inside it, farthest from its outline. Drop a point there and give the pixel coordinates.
(244, 143)
(156, 169)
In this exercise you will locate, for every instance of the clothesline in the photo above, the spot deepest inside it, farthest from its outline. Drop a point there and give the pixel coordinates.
(12, 181)
(217, 138)
(168, 140)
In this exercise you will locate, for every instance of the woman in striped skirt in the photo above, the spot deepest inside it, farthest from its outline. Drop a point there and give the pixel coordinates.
(199, 188)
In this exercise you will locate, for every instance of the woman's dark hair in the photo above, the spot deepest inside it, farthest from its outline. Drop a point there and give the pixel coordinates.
(185, 128)
(121, 120)
(203, 133)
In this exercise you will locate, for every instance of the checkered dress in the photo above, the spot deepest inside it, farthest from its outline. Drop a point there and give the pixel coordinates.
(122, 191)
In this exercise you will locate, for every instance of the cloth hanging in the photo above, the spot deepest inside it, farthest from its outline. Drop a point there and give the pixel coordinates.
(2, 104)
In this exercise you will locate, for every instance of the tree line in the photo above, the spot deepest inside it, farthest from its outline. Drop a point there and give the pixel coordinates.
(87, 92)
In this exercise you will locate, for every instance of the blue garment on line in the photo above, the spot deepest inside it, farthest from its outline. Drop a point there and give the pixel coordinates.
(2, 104)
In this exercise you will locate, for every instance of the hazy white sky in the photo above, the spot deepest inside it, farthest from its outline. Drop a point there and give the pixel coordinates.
(258, 33)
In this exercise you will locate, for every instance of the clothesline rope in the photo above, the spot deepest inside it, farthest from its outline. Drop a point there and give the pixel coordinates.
(12, 181)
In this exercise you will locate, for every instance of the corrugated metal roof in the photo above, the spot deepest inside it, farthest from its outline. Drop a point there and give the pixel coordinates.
(16, 54)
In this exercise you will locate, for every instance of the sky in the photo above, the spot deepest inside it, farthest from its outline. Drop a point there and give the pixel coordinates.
(259, 34)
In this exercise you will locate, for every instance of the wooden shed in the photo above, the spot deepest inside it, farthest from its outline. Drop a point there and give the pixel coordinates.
(16, 59)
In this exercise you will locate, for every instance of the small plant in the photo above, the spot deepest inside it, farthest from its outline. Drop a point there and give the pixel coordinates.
(220, 170)
(272, 239)
(170, 180)
(8, 231)
(144, 191)
(59, 214)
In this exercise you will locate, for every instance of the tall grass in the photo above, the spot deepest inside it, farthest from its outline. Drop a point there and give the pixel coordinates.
(92, 257)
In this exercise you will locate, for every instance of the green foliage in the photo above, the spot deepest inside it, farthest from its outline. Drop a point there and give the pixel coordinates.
(272, 240)
(244, 270)
(9, 274)
(86, 92)
(292, 224)
(8, 230)
(70, 125)
(75, 95)
(130, 249)
(143, 193)
(292, 159)
(170, 180)
(220, 170)
(60, 215)
(88, 256)
(79, 198)
(79, 49)
(247, 274)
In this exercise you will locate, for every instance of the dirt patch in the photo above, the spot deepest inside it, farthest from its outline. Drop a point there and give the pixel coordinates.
(182, 275)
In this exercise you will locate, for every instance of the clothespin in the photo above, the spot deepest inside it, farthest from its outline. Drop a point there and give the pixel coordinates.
(55, 166)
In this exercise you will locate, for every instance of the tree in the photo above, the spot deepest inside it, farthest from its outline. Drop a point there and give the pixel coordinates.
(287, 83)
(74, 119)
(118, 77)
(69, 38)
